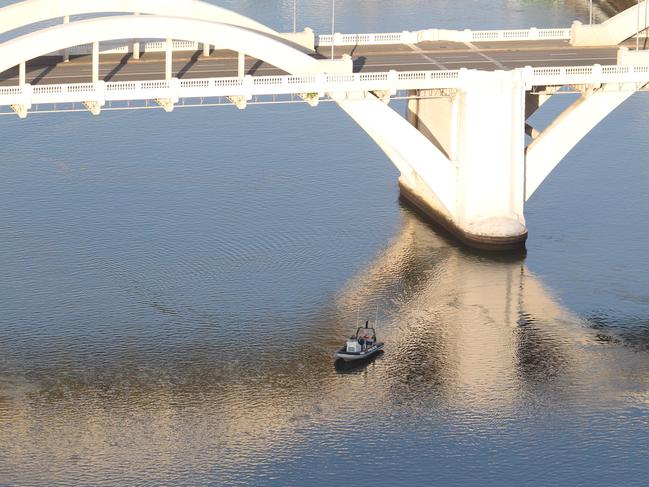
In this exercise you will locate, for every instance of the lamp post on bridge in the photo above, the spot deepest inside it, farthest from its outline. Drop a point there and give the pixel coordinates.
(294, 15)
(637, 34)
(333, 25)
(590, 13)
(637, 29)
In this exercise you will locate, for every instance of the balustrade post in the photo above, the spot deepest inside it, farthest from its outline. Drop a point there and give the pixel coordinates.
(597, 75)
(206, 49)
(241, 71)
(393, 80)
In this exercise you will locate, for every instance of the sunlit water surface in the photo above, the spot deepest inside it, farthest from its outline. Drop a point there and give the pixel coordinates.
(173, 287)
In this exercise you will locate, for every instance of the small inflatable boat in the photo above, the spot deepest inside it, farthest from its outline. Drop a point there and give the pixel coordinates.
(360, 346)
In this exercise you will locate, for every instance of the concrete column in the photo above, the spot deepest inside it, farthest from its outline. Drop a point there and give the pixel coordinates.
(95, 62)
(241, 71)
(136, 46)
(206, 49)
(481, 130)
(66, 52)
(491, 158)
(22, 74)
(168, 58)
(436, 116)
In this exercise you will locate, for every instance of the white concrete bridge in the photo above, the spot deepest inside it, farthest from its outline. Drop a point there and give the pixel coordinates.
(466, 154)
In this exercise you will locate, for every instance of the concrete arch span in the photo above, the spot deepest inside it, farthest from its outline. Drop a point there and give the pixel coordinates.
(545, 153)
(33, 11)
(615, 30)
(259, 45)
(424, 169)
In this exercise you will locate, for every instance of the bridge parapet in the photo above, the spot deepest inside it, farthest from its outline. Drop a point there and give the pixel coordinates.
(414, 37)
(321, 84)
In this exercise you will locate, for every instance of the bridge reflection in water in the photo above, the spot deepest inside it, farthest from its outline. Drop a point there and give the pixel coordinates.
(471, 341)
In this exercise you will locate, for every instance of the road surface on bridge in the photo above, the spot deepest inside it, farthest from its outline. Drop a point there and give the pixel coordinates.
(422, 56)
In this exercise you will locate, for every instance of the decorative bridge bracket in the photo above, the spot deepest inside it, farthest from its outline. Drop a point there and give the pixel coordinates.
(313, 99)
(21, 110)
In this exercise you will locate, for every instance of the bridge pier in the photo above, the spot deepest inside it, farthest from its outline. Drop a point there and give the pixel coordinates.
(480, 129)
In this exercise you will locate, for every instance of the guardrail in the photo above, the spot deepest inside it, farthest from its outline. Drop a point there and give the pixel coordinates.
(310, 86)
(407, 37)
(121, 47)
(532, 34)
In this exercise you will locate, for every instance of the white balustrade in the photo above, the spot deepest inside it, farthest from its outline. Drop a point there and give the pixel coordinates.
(124, 47)
(322, 84)
(406, 37)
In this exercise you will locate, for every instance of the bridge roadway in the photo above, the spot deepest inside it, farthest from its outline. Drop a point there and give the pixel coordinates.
(423, 56)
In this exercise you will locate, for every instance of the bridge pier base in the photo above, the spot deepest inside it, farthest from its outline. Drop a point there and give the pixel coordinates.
(481, 130)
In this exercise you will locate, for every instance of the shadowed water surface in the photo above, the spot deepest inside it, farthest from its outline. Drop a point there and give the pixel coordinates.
(173, 288)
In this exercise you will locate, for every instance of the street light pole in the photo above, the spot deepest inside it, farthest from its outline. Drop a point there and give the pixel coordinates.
(645, 24)
(295, 15)
(637, 33)
(590, 13)
(333, 25)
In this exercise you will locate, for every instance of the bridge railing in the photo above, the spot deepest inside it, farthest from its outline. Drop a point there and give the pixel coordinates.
(586, 75)
(312, 86)
(407, 37)
(532, 34)
(122, 47)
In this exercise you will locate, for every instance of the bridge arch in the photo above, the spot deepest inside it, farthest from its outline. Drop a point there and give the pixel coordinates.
(259, 45)
(615, 30)
(30, 12)
(421, 165)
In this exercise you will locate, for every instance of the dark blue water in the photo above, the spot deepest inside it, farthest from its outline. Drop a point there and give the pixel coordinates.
(173, 286)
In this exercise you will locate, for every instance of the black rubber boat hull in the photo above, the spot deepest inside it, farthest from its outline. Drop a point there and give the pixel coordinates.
(351, 357)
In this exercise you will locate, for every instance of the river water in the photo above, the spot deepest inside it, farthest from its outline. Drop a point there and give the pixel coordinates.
(173, 287)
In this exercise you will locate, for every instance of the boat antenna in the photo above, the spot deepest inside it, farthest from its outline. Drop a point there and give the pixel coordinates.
(357, 316)
(376, 317)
